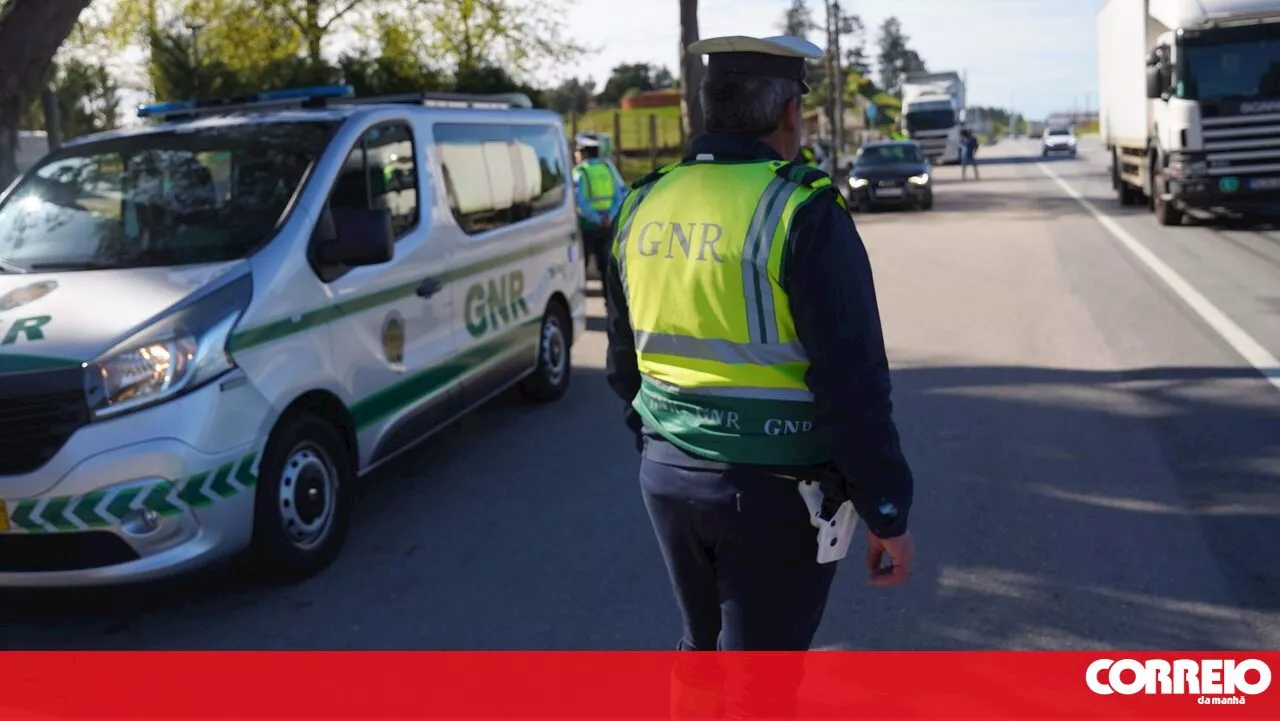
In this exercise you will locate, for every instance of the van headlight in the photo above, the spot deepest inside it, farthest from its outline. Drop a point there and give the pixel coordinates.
(922, 179)
(179, 353)
(858, 182)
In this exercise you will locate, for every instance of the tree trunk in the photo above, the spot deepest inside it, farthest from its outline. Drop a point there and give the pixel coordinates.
(31, 31)
(691, 71)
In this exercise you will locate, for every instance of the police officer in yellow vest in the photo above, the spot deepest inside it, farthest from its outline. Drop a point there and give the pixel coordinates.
(809, 156)
(745, 339)
(600, 191)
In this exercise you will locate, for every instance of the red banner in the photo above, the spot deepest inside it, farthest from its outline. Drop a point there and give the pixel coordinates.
(572, 685)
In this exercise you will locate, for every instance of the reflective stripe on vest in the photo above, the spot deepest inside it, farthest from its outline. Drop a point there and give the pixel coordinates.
(700, 254)
(601, 188)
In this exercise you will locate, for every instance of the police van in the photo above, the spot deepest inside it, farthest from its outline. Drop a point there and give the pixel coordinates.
(214, 325)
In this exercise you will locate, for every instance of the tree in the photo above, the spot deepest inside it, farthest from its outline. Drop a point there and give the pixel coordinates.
(571, 96)
(314, 19)
(797, 20)
(691, 71)
(633, 76)
(86, 96)
(896, 57)
(519, 35)
(31, 31)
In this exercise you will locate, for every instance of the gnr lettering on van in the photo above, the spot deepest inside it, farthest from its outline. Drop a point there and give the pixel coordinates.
(496, 302)
(656, 233)
(784, 427)
(29, 329)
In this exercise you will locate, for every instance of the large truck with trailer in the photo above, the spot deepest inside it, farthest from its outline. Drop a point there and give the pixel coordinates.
(1190, 104)
(932, 113)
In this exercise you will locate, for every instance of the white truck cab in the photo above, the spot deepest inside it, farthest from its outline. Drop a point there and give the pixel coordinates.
(1190, 104)
(213, 326)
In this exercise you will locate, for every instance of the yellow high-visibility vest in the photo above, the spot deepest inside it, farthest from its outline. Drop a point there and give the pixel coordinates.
(601, 185)
(701, 248)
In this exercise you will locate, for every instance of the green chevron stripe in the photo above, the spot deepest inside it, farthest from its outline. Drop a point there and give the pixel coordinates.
(52, 513)
(119, 505)
(157, 500)
(190, 493)
(21, 516)
(220, 485)
(84, 511)
(154, 498)
(244, 474)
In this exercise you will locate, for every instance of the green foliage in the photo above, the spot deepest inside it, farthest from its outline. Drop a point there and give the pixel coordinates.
(87, 98)
(896, 56)
(634, 77)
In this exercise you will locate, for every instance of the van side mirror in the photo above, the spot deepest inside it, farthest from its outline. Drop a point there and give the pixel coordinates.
(351, 238)
(1155, 82)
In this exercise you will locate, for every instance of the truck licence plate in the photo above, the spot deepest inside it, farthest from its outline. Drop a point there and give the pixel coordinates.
(888, 192)
(1264, 183)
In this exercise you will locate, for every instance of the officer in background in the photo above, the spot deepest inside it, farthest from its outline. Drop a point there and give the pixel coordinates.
(809, 156)
(745, 338)
(600, 191)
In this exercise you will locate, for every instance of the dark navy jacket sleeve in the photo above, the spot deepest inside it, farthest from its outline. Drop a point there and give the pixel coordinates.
(622, 370)
(833, 301)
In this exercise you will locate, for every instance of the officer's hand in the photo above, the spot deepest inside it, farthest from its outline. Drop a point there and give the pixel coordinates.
(900, 552)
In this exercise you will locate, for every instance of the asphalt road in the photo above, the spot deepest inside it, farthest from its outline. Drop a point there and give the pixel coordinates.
(1097, 467)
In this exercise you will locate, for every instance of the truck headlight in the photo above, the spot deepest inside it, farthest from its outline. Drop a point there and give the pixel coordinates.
(179, 353)
(858, 182)
(921, 179)
(1184, 166)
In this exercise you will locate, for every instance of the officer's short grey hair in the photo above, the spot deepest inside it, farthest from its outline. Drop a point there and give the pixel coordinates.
(748, 104)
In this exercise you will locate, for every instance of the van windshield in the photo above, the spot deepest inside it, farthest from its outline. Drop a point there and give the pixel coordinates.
(171, 198)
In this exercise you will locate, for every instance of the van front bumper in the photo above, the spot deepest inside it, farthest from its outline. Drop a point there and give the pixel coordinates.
(131, 510)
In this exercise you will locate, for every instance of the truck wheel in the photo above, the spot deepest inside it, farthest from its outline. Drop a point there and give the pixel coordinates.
(1166, 213)
(550, 380)
(302, 507)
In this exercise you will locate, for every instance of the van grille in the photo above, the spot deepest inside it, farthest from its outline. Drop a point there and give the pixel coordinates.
(38, 413)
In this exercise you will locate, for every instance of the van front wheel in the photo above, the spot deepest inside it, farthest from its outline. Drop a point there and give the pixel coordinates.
(550, 380)
(303, 501)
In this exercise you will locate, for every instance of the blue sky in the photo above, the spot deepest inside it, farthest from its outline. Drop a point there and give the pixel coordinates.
(1038, 55)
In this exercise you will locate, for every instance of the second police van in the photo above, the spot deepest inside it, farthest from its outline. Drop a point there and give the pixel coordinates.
(212, 326)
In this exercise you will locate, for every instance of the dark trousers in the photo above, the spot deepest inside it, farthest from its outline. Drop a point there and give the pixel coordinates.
(741, 554)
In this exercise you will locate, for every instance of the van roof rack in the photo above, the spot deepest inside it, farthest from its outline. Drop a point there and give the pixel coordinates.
(323, 96)
(438, 99)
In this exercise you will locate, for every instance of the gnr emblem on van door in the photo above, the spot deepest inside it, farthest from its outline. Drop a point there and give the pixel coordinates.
(393, 338)
(26, 294)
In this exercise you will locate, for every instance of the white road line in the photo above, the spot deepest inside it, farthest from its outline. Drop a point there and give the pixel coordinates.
(1235, 336)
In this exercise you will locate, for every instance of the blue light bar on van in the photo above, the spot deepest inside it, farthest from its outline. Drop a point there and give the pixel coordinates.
(267, 98)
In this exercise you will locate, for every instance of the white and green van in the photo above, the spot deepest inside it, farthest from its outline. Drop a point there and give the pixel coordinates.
(212, 326)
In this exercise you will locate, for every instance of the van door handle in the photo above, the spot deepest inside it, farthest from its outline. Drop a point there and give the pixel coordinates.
(429, 287)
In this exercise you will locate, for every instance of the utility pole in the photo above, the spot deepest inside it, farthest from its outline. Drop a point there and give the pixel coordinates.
(195, 28)
(837, 143)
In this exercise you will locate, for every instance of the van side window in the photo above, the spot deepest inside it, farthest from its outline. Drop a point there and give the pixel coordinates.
(478, 175)
(381, 172)
(538, 154)
(496, 175)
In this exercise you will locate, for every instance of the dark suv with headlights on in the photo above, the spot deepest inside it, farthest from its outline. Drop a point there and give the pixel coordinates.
(890, 173)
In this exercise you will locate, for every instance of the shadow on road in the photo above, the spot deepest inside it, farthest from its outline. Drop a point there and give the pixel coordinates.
(1027, 159)
(1072, 535)
(1042, 513)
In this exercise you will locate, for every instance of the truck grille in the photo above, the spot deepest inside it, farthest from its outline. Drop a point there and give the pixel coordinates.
(38, 413)
(1241, 144)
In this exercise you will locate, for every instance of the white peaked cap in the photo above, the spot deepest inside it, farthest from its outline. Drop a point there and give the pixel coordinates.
(785, 46)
